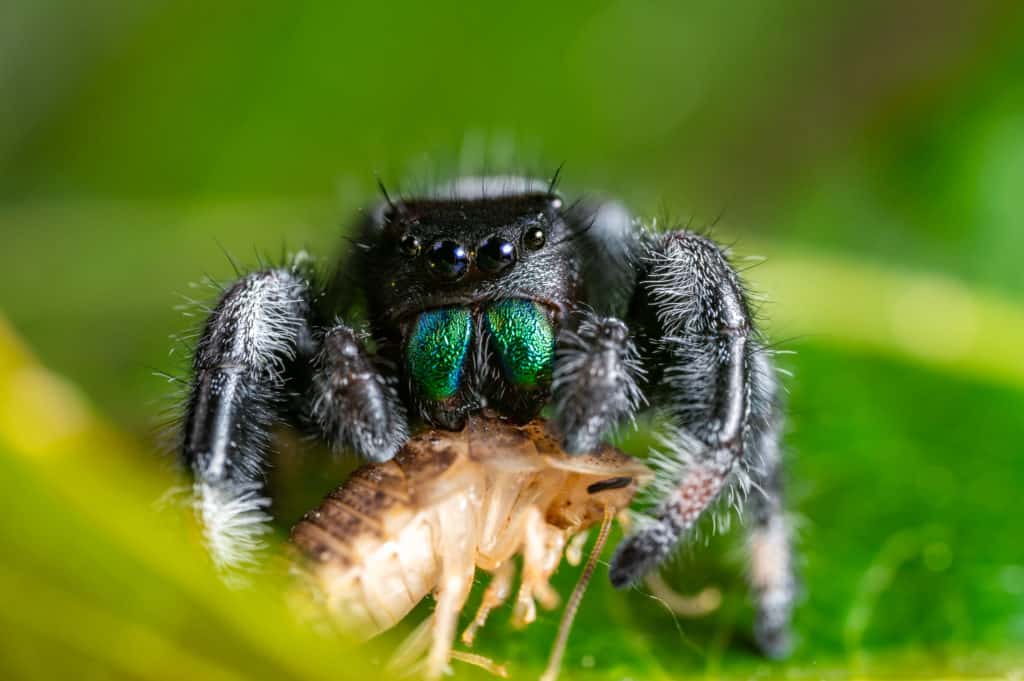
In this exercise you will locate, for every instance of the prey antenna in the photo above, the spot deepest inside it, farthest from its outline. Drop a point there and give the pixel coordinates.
(569, 614)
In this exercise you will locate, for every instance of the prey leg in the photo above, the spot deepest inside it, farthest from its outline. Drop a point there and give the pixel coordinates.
(411, 650)
(450, 599)
(542, 552)
(497, 593)
(458, 540)
(485, 663)
(704, 602)
(409, 660)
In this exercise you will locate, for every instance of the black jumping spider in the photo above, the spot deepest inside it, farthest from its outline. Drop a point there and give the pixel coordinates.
(495, 292)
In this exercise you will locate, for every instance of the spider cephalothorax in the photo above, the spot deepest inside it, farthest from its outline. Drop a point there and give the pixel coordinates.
(496, 293)
(466, 297)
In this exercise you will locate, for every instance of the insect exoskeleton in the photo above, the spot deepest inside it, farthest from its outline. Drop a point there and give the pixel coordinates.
(451, 502)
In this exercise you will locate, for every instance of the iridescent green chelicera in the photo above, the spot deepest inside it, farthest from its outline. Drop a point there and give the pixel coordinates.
(524, 340)
(437, 351)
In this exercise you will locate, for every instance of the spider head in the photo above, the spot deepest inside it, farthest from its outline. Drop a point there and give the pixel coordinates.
(478, 240)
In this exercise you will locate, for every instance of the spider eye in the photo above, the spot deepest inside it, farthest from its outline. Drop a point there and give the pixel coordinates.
(409, 245)
(495, 255)
(534, 238)
(447, 260)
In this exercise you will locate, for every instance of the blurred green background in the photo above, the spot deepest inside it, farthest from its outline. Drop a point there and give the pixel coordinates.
(873, 152)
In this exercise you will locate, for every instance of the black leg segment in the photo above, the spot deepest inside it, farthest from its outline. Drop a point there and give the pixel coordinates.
(699, 344)
(595, 384)
(237, 390)
(353, 405)
(770, 544)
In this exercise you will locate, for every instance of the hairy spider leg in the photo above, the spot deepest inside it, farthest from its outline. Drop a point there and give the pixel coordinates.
(258, 348)
(669, 324)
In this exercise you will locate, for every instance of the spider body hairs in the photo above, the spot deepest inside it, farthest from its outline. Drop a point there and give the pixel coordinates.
(496, 296)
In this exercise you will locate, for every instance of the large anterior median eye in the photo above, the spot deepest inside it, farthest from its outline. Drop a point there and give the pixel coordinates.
(447, 260)
(525, 340)
(437, 349)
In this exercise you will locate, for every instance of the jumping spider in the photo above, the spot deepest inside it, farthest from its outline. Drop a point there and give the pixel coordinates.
(494, 292)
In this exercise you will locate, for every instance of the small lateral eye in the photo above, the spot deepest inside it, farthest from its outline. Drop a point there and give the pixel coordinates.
(409, 245)
(534, 238)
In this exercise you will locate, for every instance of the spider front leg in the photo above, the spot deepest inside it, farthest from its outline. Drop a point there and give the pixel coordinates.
(594, 384)
(353, 405)
(236, 394)
(711, 375)
(257, 352)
